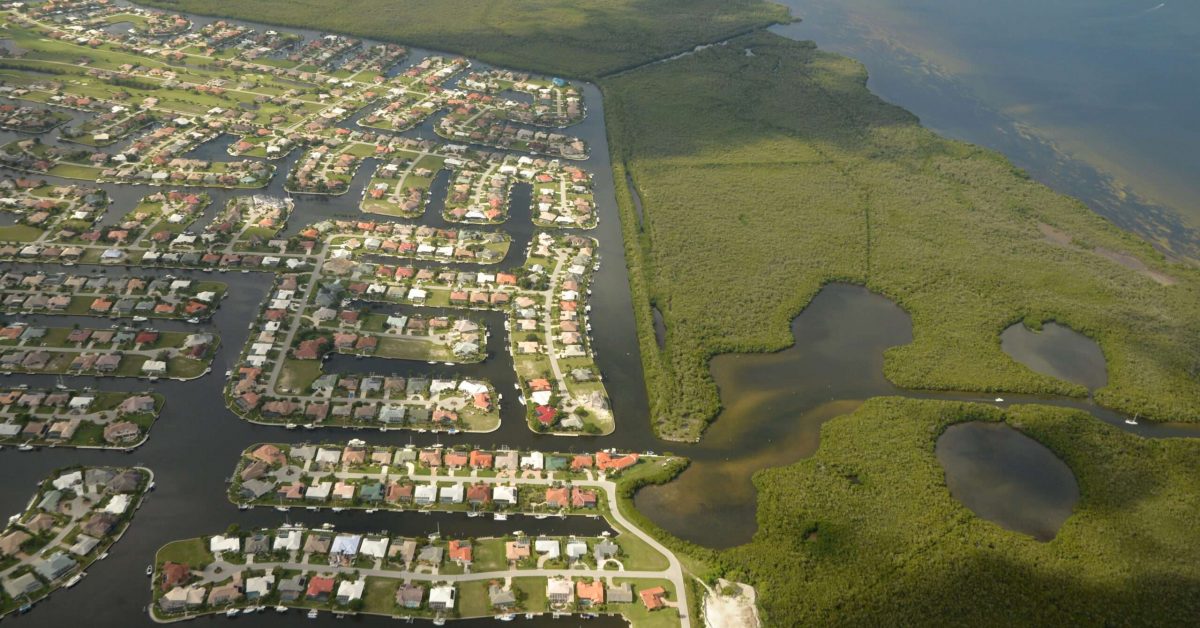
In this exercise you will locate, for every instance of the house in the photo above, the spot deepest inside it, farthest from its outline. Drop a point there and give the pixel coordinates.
(290, 589)
(557, 497)
(54, 567)
(505, 495)
(608, 462)
(590, 593)
(225, 594)
(121, 431)
(452, 494)
(605, 550)
(549, 547)
(259, 586)
(653, 598)
(478, 494)
(559, 591)
(441, 597)
(516, 550)
(622, 594)
(582, 498)
(21, 585)
(351, 590)
(576, 549)
(500, 597)
(425, 494)
(219, 544)
(181, 598)
(410, 595)
(375, 548)
(319, 588)
(460, 552)
(346, 544)
(317, 544)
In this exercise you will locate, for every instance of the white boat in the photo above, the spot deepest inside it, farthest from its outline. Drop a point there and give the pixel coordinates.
(281, 508)
(247, 610)
(280, 609)
(999, 399)
(540, 516)
(338, 509)
(25, 447)
(232, 612)
(371, 511)
(1133, 421)
(472, 514)
(290, 426)
(149, 570)
(431, 362)
(508, 617)
(500, 517)
(75, 579)
(521, 399)
(448, 363)
(312, 614)
(243, 506)
(140, 319)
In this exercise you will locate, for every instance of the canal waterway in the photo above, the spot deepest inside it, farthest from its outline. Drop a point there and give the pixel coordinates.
(774, 403)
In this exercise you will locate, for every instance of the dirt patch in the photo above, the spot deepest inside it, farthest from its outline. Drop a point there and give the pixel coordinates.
(1053, 235)
(1059, 237)
(1136, 265)
(731, 605)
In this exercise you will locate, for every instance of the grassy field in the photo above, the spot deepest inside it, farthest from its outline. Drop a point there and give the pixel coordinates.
(788, 173)
(574, 38)
(878, 539)
(187, 552)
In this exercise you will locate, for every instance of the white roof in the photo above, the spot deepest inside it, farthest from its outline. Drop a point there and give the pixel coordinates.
(332, 456)
(319, 491)
(442, 594)
(426, 491)
(453, 493)
(118, 504)
(535, 460)
(376, 548)
(546, 546)
(67, 480)
(346, 544)
(351, 589)
(260, 584)
(576, 548)
(504, 494)
(219, 544)
(288, 541)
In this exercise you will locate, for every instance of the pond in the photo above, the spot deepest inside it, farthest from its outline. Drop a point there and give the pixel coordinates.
(774, 406)
(1057, 351)
(1008, 478)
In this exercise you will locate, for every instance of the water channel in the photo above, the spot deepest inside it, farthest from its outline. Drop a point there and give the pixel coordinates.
(774, 405)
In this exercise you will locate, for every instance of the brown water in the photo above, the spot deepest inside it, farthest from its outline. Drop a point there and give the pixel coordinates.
(775, 405)
(1057, 351)
(1008, 478)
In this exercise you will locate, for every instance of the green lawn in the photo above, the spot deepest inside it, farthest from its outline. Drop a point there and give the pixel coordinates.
(192, 552)
(19, 233)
